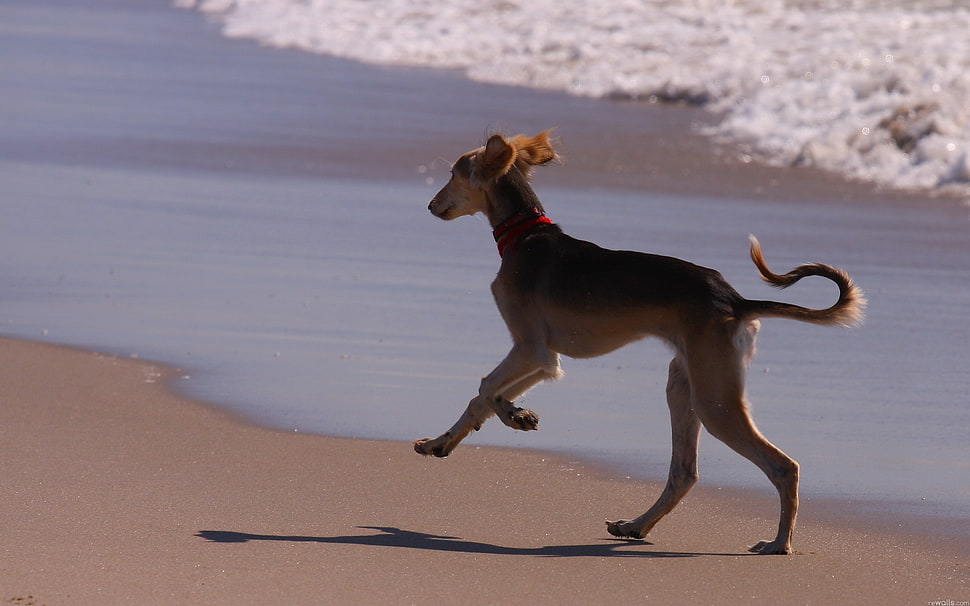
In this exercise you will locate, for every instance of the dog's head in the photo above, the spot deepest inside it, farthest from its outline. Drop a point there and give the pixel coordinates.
(479, 170)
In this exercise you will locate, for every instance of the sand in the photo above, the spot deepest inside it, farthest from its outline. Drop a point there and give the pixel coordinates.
(115, 491)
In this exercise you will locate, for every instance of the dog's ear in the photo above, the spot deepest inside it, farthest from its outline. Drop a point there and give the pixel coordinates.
(533, 151)
(493, 161)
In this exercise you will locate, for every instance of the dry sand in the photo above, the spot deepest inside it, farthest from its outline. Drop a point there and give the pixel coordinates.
(116, 491)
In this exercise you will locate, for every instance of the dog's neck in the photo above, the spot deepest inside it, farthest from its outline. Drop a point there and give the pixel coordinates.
(513, 210)
(509, 196)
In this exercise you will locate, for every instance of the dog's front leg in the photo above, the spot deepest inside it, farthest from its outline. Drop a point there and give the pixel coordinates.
(521, 370)
(471, 420)
(518, 372)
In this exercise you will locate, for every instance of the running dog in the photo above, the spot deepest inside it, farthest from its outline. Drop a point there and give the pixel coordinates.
(559, 295)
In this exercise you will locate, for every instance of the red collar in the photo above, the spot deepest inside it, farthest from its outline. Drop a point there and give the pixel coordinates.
(509, 231)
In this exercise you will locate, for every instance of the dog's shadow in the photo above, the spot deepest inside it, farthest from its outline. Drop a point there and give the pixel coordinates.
(396, 537)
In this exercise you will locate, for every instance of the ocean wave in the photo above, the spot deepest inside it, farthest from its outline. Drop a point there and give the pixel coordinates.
(875, 89)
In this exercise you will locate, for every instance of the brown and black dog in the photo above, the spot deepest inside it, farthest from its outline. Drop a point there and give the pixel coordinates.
(559, 295)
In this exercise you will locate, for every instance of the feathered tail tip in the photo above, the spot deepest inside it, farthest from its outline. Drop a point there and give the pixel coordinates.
(849, 310)
(854, 303)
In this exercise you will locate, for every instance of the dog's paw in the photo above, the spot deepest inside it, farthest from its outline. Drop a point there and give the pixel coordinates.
(524, 419)
(770, 548)
(624, 530)
(436, 447)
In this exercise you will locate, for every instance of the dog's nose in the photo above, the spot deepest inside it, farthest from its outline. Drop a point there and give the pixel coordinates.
(431, 205)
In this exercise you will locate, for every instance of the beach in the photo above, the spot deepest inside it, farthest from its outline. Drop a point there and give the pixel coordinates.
(118, 492)
(241, 234)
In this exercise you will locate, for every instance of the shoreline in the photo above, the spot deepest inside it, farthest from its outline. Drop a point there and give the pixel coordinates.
(121, 492)
(881, 515)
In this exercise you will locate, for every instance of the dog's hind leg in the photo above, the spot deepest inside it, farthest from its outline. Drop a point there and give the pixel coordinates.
(745, 439)
(717, 390)
(685, 430)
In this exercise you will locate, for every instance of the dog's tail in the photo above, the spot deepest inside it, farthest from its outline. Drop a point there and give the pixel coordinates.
(847, 311)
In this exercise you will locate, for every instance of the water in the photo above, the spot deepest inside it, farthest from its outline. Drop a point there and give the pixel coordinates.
(158, 204)
(874, 89)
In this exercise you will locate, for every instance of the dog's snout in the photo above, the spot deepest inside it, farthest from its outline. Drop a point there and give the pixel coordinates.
(436, 208)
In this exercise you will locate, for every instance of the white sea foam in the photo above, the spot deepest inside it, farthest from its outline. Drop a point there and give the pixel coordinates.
(875, 89)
